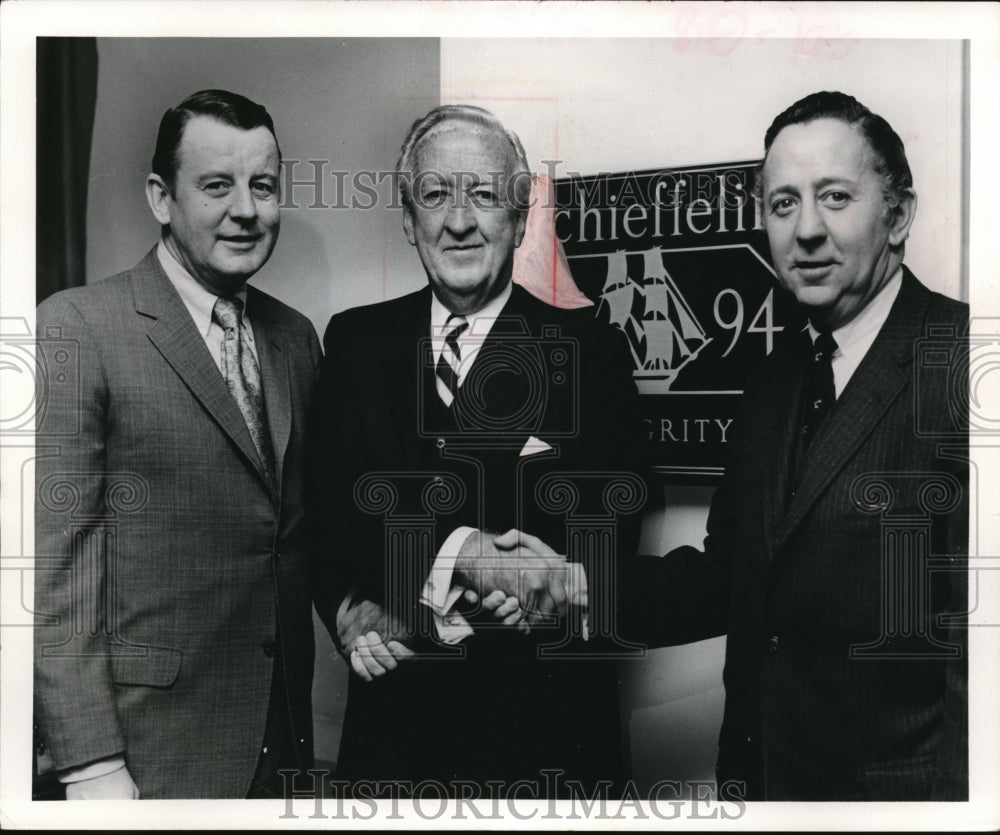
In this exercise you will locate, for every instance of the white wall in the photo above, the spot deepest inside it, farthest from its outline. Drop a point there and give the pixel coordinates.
(632, 104)
(348, 101)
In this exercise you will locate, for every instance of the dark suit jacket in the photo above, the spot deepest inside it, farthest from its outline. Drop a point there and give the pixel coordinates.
(165, 559)
(396, 472)
(808, 558)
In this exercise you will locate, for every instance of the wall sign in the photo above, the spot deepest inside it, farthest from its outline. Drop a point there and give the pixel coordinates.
(678, 260)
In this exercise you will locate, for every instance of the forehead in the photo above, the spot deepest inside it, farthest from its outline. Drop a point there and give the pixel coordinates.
(820, 149)
(462, 146)
(209, 142)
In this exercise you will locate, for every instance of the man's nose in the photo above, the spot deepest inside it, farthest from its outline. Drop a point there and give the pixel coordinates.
(461, 217)
(810, 229)
(241, 203)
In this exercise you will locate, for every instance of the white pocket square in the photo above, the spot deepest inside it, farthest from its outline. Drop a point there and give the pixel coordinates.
(533, 446)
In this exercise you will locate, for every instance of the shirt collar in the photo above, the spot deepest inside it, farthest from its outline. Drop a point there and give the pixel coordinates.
(196, 298)
(480, 322)
(857, 336)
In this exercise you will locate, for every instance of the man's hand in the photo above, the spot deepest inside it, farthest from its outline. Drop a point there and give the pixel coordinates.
(505, 609)
(372, 658)
(358, 617)
(577, 597)
(520, 566)
(117, 785)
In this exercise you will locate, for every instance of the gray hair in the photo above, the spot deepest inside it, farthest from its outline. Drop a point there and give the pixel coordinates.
(471, 115)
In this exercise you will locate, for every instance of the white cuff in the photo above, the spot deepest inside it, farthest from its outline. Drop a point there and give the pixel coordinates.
(441, 595)
(98, 768)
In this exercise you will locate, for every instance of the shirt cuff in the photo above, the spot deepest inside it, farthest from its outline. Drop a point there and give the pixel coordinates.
(98, 768)
(440, 595)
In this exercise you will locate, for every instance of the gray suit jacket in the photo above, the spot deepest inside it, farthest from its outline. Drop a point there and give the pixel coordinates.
(165, 559)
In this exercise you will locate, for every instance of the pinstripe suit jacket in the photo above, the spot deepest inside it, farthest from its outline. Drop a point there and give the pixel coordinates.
(165, 559)
(841, 681)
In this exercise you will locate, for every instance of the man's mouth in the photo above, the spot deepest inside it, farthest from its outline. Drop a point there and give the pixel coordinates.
(463, 250)
(814, 268)
(240, 240)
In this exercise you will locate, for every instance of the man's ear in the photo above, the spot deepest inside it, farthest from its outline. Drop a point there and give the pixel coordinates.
(522, 222)
(158, 197)
(901, 217)
(408, 226)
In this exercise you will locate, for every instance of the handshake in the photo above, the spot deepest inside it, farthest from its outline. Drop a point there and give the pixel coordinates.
(515, 579)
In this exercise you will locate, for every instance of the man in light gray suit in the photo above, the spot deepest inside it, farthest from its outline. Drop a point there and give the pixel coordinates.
(174, 645)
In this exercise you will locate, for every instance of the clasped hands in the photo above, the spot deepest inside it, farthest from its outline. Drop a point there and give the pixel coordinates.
(518, 580)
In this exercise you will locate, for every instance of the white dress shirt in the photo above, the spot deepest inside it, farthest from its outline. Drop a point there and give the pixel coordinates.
(856, 337)
(200, 303)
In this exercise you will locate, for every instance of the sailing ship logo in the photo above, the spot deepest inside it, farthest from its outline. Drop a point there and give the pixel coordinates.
(662, 331)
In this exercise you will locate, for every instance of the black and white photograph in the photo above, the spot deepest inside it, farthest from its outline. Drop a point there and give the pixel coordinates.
(447, 415)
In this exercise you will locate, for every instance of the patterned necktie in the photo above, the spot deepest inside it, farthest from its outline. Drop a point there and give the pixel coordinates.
(448, 362)
(242, 375)
(818, 393)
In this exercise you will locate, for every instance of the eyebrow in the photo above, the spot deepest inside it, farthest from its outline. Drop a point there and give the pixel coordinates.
(823, 182)
(214, 175)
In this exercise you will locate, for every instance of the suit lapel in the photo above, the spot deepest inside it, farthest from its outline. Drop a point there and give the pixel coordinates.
(272, 352)
(404, 374)
(876, 384)
(786, 399)
(512, 328)
(174, 335)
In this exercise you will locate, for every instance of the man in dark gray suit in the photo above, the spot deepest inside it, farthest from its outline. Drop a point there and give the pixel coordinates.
(835, 556)
(170, 529)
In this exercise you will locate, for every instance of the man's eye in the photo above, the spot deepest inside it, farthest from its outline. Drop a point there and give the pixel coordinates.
(262, 189)
(782, 206)
(485, 197)
(217, 187)
(836, 199)
(432, 198)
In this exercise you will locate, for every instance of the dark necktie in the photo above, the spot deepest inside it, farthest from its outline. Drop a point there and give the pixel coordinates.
(818, 393)
(448, 362)
(242, 375)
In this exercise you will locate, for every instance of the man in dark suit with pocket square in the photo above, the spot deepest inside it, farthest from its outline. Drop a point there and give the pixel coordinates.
(174, 644)
(836, 550)
(447, 417)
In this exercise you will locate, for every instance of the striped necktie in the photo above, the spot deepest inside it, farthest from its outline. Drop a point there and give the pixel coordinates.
(242, 375)
(448, 362)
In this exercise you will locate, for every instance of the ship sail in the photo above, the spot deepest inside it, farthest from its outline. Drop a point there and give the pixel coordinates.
(619, 296)
(666, 335)
(673, 335)
(619, 292)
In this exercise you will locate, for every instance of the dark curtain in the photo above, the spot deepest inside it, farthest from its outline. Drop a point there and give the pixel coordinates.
(66, 95)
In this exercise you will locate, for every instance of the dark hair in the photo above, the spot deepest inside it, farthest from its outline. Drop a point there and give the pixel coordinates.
(890, 156)
(472, 115)
(229, 108)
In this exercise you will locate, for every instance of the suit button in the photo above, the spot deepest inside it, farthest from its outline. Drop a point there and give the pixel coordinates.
(440, 443)
(438, 480)
(268, 646)
(772, 644)
(40, 748)
(277, 555)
